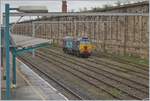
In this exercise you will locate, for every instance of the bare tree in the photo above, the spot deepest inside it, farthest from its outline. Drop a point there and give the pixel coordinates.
(84, 9)
(72, 10)
(118, 3)
(80, 10)
(107, 6)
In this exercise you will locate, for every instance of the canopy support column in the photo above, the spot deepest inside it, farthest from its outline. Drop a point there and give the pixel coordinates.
(14, 66)
(7, 44)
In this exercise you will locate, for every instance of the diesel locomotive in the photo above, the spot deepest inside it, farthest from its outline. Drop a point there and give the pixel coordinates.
(77, 46)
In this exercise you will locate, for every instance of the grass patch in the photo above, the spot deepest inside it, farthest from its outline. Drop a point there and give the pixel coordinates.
(136, 60)
(132, 59)
(55, 45)
(116, 92)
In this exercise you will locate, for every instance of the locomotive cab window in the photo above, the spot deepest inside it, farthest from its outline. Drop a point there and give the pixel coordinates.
(85, 41)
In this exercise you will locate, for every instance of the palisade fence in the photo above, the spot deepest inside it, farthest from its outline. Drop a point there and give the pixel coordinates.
(123, 35)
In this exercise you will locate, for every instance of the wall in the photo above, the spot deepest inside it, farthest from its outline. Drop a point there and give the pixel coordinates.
(112, 34)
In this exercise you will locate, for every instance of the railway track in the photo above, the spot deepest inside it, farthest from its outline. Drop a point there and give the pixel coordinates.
(120, 60)
(130, 70)
(144, 67)
(128, 66)
(113, 85)
(118, 66)
(133, 71)
(84, 97)
(83, 62)
(124, 90)
(86, 79)
(41, 72)
(94, 82)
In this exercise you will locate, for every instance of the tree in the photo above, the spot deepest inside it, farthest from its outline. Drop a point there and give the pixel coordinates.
(107, 6)
(85, 9)
(80, 9)
(72, 10)
(118, 3)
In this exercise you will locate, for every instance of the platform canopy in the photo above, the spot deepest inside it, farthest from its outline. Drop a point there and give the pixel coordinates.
(32, 9)
(21, 41)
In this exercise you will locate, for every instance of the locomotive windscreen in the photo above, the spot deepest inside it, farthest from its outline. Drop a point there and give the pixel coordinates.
(85, 40)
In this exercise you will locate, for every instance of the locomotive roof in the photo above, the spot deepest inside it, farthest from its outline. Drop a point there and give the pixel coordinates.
(68, 37)
(75, 39)
(82, 38)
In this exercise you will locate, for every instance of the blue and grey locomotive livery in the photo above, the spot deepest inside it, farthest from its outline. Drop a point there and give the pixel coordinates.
(77, 46)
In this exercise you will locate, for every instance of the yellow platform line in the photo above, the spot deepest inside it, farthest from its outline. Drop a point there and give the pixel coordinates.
(33, 88)
(44, 81)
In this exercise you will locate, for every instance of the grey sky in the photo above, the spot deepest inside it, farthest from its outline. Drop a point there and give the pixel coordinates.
(55, 5)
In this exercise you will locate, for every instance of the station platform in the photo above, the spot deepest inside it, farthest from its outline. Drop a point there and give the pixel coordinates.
(30, 86)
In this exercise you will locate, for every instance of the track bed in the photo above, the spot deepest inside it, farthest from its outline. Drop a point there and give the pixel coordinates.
(89, 78)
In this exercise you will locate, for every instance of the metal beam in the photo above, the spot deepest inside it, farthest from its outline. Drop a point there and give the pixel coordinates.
(7, 45)
(14, 66)
(50, 14)
(47, 22)
(30, 49)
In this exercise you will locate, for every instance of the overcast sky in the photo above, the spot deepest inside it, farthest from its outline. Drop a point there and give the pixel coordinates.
(55, 5)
